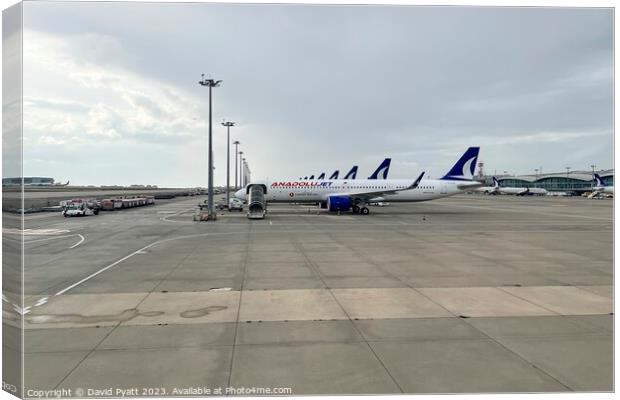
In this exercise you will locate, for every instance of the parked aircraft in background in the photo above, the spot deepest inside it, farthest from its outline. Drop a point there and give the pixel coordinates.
(347, 194)
(601, 187)
(519, 191)
(380, 173)
(489, 189)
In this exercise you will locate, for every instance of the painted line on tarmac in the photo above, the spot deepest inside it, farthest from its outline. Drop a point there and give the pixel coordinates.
(165, 219)
(34, 232)
(56, 238)
(78, 243)
(139, 251)
(142, 250)
(103, 269)
(47, 239)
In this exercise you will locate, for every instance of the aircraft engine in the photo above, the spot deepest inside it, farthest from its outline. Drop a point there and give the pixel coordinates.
(339, 203)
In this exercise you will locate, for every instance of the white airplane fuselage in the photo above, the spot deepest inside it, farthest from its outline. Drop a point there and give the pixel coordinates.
(604, 189)
(305, 191)
(512, 190)
(487, 190)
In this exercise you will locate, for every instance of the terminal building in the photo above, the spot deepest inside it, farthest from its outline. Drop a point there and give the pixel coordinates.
(568, 181)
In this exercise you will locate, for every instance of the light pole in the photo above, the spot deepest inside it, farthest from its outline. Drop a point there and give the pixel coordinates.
(236, 143)
(248, 173)
(567, 172)
(228, 124)
(593, 169)
(241, 170)
(243, 173)
(210, 83)
(536, 180)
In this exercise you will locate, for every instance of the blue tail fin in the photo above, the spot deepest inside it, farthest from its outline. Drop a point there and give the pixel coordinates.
(495, 182)
(599, 180)
(382, 169)
(335, 175)
(311, 177)
(464, 168)
(322, 176)
(351, 174)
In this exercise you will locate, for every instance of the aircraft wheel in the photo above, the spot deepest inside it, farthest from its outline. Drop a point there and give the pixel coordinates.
(356, 209)
(364, 211)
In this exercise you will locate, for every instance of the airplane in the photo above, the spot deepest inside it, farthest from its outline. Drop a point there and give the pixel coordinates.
(518, 191)
(601, 187)
(345, 194)
(489, 189)
(537, 191)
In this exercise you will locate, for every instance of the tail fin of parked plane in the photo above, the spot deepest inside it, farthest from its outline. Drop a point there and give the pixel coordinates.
(322, 176)
(382, 169)
(351, 174)
(335, 175)
(464, 168)
(311, 177)
(599, 180)
(495, 182)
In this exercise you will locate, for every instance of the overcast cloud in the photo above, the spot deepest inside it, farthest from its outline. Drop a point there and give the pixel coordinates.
(111, 93)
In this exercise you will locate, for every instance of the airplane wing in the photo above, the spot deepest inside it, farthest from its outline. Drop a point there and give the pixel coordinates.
(378, 193)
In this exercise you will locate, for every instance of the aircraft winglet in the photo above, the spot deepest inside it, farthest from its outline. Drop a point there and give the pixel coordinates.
(416, 182)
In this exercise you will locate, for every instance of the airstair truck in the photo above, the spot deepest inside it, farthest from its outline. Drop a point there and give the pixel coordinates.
(257, 204)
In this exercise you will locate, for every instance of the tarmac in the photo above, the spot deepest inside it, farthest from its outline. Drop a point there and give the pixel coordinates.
(468, 294)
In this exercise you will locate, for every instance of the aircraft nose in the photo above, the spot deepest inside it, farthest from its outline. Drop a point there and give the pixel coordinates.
(240, 194)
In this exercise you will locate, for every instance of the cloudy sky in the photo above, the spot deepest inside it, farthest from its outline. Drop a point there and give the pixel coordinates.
(111, 93)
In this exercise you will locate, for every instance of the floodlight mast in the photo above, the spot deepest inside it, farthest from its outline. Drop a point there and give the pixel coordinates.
(236, 143)
(210, 83)
(241, 185)
(245, 181)
(228, 124)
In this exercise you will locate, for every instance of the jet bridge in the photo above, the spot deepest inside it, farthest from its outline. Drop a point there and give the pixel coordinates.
(257, 204)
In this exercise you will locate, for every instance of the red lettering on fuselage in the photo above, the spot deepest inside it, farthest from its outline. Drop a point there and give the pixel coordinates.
(299, 184)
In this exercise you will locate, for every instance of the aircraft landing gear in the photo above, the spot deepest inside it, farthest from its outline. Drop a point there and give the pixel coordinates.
(360, 209)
